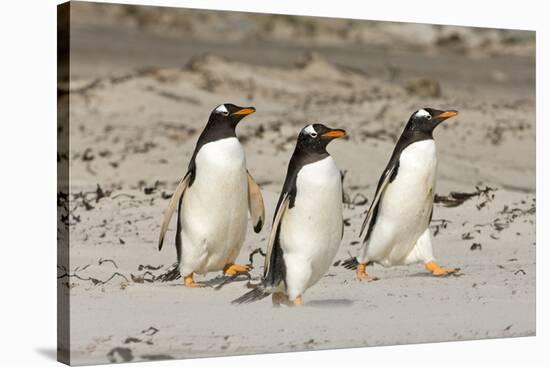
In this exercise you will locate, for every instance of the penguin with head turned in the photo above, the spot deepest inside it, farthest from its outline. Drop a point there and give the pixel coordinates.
(396, 228)
(307, 225)
(213, 200)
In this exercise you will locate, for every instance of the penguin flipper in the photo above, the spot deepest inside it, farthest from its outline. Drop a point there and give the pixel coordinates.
(272, 251)
(387, 177)
(272, 262)
(178, 194)
(255, 204)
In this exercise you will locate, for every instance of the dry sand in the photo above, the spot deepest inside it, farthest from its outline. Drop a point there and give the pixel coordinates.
(133, 132)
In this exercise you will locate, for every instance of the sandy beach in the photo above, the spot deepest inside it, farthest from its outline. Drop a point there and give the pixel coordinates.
(140, 98)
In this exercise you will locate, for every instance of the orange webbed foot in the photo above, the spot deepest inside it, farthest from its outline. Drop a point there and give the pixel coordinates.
(188, 281)
(235, 269)
(438, 271)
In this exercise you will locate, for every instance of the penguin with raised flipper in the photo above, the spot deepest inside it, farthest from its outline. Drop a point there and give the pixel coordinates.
(213, 200)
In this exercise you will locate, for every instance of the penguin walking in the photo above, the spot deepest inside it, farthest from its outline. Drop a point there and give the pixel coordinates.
(397, 224)
(308, 223)
(213, 200)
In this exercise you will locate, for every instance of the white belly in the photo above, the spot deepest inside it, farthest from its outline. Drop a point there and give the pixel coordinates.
(215, 208)
(406, 205)
(312, 230)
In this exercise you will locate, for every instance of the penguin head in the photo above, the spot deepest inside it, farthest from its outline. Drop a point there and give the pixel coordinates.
(427, 119)
(315, 137)
(229, 114)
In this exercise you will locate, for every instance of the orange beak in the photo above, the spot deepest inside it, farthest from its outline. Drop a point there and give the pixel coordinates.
(336, 133)
(447, 114)
(245, 111)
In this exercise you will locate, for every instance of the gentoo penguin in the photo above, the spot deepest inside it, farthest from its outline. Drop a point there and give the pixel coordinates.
(213, 200)
(397, 224)
(307, 225)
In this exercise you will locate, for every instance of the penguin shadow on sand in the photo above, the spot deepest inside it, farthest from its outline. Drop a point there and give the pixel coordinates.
(330, 303)
(220, 281)
(217, 282)
(423, 274)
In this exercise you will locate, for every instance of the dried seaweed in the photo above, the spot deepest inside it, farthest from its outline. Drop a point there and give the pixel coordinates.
(147, 146)
(148, 190)
(475, 246)
(100, 193)
(509, 216)
(94, 281)
(125, 355)
(455, 199)
(150, 331)
(65, 88)
(467, 236)
(123, 194)
(145, 277)
(84, 198)
(359, 200)
(148, 267)
(101, 261)
(87, 156)
(517, 212)
(438, 227)
(252, 254)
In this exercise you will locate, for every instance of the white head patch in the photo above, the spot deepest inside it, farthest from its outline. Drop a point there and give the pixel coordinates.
(422, 113)
(221, 109)
(309, 130)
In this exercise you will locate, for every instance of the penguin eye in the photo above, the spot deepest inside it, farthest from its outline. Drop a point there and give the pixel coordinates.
(313, 135)
(428, 117)
(222, 110)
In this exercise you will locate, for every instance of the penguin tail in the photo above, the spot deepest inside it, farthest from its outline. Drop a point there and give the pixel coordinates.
(351, 263)
(259, 292)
